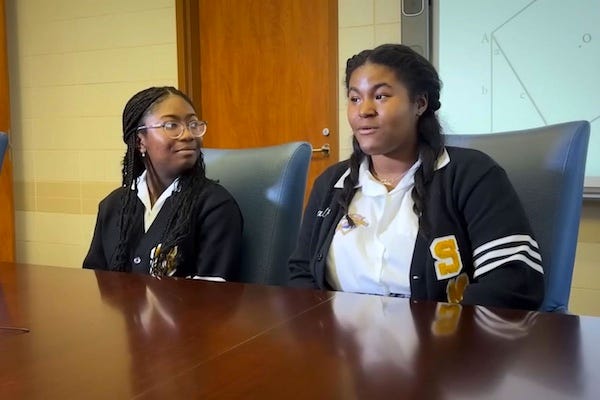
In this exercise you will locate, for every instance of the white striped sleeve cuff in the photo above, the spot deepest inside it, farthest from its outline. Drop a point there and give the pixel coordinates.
(498, 252)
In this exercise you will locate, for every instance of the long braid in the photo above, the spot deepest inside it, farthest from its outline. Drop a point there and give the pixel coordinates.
(131, 171)
(351, 180)
(180, 225)
(431, 144)
(421, 79)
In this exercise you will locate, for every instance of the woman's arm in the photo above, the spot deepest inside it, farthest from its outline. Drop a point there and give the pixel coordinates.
(507, 261)
(299, 262)
(95, 258)
(218, 236)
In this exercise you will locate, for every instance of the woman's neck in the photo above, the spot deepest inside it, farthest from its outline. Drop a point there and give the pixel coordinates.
(390, 171)
(385, 166)
(156, 185)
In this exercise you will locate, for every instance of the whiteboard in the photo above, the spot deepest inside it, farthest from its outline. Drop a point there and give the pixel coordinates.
(517, 64)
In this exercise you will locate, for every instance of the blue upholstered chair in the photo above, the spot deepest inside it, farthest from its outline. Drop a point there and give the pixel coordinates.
(268, 183)
(546, 167)
(3, 147)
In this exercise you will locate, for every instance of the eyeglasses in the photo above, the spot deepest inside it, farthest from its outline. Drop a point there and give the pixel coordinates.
(174, 129)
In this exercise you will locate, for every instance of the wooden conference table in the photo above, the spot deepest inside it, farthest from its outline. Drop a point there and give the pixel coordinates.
(114, 335)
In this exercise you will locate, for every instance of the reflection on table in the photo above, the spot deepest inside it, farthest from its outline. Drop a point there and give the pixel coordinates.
(116, 335)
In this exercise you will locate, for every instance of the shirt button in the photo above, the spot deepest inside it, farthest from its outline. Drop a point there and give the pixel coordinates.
(137, 260)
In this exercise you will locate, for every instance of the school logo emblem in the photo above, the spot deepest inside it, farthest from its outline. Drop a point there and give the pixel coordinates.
(345, 227)
(166, 267)
(445, 252)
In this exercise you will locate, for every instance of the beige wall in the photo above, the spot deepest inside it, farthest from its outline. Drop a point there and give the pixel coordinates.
(362, 24)
(73, 65)
(585, 288)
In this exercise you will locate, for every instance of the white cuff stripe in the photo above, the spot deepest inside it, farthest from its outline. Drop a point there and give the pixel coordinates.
(508, 251)
(517, 257)
(504, 240)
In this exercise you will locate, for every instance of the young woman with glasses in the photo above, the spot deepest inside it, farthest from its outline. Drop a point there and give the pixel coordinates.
(167, 218)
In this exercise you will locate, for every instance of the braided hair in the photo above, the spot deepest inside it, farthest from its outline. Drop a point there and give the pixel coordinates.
(421, 79)
(191, 182)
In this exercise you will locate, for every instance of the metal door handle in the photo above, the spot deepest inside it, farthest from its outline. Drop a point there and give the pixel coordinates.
(323, 149)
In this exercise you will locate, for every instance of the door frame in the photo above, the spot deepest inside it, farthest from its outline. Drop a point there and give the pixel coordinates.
(188, 49)
(7, 204)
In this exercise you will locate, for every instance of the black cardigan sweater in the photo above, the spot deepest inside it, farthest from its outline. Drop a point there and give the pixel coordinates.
(212, 248)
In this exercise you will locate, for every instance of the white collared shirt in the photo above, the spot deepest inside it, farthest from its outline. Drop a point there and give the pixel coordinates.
(144, 196)
(375, 256)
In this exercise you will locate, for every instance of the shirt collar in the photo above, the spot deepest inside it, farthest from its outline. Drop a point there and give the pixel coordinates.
(144, 194)
(443, 160)
(440, 163)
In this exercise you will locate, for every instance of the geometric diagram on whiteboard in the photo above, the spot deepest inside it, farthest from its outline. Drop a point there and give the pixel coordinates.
(544, 59)
(520, 64)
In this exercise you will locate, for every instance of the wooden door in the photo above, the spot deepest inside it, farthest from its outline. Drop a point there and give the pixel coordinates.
(263, 72)
(7, 210)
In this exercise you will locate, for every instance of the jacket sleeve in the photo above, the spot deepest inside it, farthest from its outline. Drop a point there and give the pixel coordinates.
(95, 258)
(301, 274)
(219, 236)
(506, 258)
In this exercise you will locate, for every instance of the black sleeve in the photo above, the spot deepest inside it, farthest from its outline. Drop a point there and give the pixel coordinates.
(95, 258)
(508, 266)
(219, 236)
(299, 262)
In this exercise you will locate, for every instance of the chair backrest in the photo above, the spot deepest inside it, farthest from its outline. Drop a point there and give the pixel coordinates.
(546, 166)
(3, 146)
(268, 184)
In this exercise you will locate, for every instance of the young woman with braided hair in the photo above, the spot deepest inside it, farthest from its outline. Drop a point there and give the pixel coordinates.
(407, 216)
(167, 218)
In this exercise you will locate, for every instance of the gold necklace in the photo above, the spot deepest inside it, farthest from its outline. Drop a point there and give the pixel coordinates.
(388, 181)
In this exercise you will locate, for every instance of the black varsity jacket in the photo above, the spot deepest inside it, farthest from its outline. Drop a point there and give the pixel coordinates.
(477, 226)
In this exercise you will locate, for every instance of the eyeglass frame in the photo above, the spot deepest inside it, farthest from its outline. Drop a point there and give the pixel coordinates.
(185, 126)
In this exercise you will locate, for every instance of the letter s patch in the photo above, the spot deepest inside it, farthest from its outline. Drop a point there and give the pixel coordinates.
(445, 252)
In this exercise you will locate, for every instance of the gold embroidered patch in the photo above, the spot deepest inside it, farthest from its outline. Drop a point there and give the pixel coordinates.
(447, 257)
(344, 227)
(168, 265)
(455, 289)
